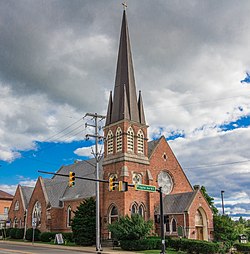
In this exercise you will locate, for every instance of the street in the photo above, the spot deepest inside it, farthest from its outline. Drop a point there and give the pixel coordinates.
(7, 248)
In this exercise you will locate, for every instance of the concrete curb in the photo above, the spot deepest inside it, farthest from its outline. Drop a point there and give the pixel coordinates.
(106, 250)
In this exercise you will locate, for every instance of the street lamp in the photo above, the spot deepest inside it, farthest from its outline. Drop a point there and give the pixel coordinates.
(222, 201)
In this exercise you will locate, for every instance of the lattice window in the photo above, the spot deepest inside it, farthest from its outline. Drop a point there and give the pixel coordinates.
(16, 208)
(36, 214)
(174, 225)
(110, 147)
(69, 214)
(119, 140)
(141, 211)
(130, 139)
(140, 142)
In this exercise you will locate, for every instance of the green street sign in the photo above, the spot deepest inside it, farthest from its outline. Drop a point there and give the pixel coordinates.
(144, 187)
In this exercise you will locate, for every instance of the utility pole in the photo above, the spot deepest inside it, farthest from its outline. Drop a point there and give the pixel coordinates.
(98, 157)
(222, 202)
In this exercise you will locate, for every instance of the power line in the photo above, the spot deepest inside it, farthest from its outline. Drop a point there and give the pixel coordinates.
(217, 164)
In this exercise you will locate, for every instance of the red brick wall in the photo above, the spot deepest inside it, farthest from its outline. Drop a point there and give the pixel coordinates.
(38, 195)
(200, 202)
(19, 214)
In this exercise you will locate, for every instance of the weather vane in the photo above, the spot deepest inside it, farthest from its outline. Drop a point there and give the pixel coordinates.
(125, 5)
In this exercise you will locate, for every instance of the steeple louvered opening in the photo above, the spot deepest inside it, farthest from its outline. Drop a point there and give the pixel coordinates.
(130, 140)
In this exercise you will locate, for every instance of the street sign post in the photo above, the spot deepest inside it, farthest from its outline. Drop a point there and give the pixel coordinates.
(144, 187)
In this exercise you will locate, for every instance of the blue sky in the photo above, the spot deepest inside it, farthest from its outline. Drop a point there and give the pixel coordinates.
(58, 62)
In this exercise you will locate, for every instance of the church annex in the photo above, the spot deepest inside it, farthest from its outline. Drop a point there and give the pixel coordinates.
(128, 156)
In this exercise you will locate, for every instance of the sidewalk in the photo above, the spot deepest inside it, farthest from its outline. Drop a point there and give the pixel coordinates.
(91, 249)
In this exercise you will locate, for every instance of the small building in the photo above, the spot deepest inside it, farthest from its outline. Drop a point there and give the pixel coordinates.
(5, 203)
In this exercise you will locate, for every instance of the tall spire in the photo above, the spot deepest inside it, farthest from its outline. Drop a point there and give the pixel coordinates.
(125, 104)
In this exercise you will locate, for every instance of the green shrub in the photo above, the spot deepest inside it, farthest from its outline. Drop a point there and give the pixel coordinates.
(68, 236)
(194, 246)
(13, 233)
(242, 247)
(47, 236)
(130, 228)
(29, 234)
(142, 244)
(19, 233)
(8, 232)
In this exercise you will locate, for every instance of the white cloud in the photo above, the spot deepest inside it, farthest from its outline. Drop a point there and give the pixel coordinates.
(88, 151)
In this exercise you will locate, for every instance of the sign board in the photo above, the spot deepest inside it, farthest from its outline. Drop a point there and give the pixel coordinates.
(144, 187)
(59, 239)
(33, 222)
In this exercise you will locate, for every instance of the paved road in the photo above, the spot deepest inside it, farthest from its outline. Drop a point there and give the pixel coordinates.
(8, 248)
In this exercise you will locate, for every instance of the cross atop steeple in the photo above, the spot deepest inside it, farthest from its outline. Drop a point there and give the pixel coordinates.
(125, 5)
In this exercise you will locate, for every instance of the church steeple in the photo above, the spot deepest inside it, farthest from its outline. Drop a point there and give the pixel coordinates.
(124, 104)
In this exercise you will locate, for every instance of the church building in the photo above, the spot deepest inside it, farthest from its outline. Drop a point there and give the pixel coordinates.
(130, 157)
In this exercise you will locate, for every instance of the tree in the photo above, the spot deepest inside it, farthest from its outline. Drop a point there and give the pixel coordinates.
(131, 228)
(83, 224)
(224, 229)
(209, 199)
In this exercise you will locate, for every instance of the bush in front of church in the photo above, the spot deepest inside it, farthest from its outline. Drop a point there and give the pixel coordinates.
(83, 224)
(29, 234)
(130, 228)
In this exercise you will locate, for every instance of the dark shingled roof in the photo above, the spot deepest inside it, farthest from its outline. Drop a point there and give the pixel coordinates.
(57, 187)
(5, 195)
(151, 146)
(27, 192)
(177, 203)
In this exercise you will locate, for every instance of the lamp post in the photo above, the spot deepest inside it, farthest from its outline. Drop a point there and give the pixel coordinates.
(222, 201)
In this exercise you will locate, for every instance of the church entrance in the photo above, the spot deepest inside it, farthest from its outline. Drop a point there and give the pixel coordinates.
(201, 225)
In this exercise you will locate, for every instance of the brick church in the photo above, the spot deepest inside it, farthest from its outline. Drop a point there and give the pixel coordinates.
(128, 156)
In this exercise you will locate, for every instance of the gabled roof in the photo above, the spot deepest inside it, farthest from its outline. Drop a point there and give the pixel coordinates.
(6, 196)
(151, 146)
(26, 194)
(177, 203)
(82, 189)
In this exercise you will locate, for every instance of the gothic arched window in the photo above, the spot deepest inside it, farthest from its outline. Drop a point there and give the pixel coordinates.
(16, 208)
(134, 208)
(141, 211)
(110, 148)
(37, 212)
(118, 139)
(130, 139)
(174, 225)
(15, 222)
(140, 142)
(69, 213)
(113, 214)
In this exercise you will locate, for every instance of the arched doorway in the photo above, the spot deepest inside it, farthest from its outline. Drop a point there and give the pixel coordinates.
(201, 225)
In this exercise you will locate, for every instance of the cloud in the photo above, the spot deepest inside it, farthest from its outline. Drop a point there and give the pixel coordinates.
(11, 189)
(88, 151)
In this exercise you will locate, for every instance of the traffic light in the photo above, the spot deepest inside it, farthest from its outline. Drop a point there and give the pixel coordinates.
(123, 186)
(111, 184)
(71, 179)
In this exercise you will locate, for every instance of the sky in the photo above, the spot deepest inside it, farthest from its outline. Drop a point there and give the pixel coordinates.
(191, 61)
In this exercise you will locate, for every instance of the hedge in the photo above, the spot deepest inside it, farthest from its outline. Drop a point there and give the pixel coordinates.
(13, 233)
(29, 234)
(144, 244)
(242, 247)
(19, 233)
(194, 246)
(48, 236)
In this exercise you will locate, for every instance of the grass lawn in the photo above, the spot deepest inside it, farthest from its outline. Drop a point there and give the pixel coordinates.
(168, 251)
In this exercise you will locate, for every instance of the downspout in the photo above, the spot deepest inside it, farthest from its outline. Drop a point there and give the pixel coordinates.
(25, 223)
(185, 225)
